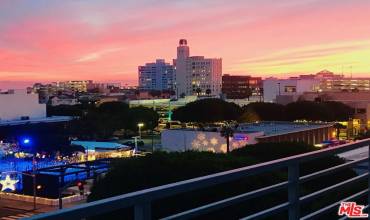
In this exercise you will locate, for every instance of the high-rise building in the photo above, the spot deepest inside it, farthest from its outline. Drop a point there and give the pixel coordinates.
(241, 87)
(73, 85)
(156, 76)
(196, 75)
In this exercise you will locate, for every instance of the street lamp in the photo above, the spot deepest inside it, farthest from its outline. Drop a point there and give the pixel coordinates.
(139, 125)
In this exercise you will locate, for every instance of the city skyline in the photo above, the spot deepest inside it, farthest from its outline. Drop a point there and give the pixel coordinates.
(106, 41)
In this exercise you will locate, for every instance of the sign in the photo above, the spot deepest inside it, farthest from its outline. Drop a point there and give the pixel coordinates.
(8, 184)
(351, 210)
(240, 137)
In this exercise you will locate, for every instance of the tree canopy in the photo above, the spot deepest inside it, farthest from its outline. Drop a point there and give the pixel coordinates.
(207, 110)
(261, 111)
(300, 110)
(102, 121)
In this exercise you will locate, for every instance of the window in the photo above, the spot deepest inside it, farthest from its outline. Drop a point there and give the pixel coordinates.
(361, 111)
(290, 89)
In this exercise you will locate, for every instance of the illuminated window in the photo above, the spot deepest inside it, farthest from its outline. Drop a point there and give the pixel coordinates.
(290, 89)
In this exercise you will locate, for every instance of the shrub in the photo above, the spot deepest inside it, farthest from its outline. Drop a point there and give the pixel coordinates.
(127, 175)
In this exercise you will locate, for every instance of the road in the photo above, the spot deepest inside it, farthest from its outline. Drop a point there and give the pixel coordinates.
(11, 209)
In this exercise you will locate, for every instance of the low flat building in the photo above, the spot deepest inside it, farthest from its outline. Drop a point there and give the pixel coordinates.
(73, 85)
(358, 100)
(284, 91)
(20, 105)
(309, 133)
(52, 119)
(63, 100)
(246, 134)
(241, 87)
(98, 149)
(191, 139)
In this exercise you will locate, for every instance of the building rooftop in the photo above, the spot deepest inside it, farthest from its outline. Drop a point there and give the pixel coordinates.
(272, 128)
(95, 145)
(37, 120)
(268, 128)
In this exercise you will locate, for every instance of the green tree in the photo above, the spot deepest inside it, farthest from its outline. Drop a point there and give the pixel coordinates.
(142, 115)
(198, 91)
(207, 110)
(208, 92)
(65, 110)
(249, 116)
(260, 111)
(132, 174)
(248, 93)
(338, 111)
(313, 111)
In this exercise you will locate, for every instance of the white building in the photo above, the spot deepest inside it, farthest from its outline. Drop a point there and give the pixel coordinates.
(196, 75)
(189, 139)
(156, 76)
(246, 134)
(18, 104)
(73, 85)
(55, 101)
(288, 90)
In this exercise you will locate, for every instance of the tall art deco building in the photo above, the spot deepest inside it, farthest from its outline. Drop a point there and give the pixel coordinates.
(196, 74)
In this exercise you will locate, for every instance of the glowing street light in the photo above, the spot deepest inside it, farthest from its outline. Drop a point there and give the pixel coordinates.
(140, 125)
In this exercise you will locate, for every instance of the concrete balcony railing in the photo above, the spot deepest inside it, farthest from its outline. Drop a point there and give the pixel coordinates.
(142, 200)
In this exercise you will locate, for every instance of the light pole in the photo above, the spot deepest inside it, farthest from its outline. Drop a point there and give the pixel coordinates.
(139, 125)
(136, 147)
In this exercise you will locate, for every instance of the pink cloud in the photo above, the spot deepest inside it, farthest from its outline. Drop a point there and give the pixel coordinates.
(110, 42)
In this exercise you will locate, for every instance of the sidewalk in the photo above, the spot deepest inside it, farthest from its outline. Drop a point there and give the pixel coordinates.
(11, 209)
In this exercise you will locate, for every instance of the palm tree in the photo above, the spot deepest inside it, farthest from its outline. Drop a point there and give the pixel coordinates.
(227, 132)
(198, 91)
(249, 93)
(208, 92)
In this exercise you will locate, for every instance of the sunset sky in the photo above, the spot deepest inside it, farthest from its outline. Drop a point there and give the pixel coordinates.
(105, 40)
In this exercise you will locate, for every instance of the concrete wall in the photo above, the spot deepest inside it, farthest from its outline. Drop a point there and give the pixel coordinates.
(312, 137)
(273, 87)
(40, 200)
(182, 140)
(15, 105)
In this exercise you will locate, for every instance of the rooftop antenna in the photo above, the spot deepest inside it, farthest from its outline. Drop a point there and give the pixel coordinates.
(351, 71)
